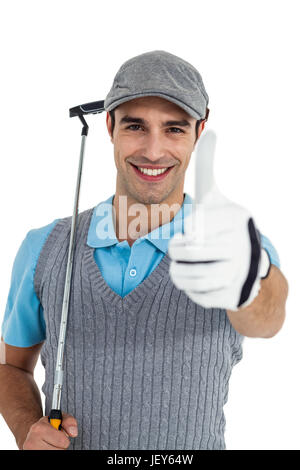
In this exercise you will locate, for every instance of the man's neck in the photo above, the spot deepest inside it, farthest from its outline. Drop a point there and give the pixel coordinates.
(134, 219)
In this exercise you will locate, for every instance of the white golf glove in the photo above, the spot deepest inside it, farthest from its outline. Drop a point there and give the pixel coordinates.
(218, 262)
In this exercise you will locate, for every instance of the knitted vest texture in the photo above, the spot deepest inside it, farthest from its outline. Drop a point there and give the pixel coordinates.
(147, 371)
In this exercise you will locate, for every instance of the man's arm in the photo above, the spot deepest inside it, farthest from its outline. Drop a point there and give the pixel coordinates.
(20, 400)
(21, 406)
(264, 317)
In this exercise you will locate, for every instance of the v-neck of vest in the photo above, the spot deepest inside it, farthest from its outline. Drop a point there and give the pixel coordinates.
(138, 293)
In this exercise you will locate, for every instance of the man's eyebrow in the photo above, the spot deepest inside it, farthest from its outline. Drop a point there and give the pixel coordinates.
(130, 119)
(182, 123)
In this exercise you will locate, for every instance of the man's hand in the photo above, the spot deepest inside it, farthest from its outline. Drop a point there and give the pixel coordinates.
(218, 261)
(42, 436)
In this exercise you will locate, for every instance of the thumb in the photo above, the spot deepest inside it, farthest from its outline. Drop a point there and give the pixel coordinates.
(204, 182)
(69, 424)
(204, 165)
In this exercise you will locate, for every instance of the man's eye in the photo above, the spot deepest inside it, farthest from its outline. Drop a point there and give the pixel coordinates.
(133, 127)
(175, 130)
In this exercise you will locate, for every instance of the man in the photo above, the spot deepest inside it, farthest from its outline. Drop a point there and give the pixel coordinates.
(146, 366)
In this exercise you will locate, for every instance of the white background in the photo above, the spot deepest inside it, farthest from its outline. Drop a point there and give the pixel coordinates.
(58, 54)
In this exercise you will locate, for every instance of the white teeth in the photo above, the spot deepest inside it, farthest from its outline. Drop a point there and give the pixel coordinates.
(148, 171)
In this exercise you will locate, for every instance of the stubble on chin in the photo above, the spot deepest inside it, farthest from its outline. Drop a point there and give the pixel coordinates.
(147, 198)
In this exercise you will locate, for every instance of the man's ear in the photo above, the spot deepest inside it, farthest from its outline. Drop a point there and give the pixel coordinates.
(200, 130)
(108, 125)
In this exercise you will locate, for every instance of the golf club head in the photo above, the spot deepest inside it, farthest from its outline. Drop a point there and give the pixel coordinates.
(88, 108)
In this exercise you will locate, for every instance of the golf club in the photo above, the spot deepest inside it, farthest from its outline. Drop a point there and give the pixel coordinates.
(55, 416)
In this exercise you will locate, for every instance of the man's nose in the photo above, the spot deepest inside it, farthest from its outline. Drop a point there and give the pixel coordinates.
(154, 147)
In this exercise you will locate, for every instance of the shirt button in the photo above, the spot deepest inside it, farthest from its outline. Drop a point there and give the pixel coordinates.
(132, 272)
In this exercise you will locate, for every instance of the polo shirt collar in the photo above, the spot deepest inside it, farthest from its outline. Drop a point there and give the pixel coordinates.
(102, 233)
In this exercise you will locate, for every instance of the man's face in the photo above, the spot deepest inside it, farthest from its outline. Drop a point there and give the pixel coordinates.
(155, 134)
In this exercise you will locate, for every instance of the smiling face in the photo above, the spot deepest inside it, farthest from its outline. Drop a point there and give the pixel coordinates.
(153, 142)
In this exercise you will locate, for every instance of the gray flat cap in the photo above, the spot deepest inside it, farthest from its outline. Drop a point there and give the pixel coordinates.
(159, 73)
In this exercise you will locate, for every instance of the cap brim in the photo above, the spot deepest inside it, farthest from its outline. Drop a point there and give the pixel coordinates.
(179, 103)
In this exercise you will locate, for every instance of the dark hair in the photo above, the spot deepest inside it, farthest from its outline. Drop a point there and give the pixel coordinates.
(113, 120)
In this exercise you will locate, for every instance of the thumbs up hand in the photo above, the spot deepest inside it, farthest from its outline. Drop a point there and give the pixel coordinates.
(218, 260)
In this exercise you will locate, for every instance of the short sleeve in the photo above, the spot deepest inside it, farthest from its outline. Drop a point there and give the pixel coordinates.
(23, 324)
(267, 245)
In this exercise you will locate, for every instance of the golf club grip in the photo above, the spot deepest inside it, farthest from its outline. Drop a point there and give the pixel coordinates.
(55, 419)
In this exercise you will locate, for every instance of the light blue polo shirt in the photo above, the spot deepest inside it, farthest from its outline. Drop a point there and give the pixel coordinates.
(123, 267)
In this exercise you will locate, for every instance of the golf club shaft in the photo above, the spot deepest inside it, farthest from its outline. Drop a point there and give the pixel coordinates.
(55, 416)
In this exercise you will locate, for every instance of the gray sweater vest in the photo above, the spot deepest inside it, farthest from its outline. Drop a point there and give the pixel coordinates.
(147, 371)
